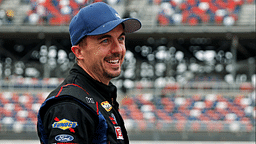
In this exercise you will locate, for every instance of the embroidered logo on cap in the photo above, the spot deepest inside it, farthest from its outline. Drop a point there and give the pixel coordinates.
(106, 106)
(117, 15)
(119, 134)
(64, 124)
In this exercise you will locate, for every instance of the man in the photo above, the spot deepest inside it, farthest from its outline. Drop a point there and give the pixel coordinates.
(83, 109)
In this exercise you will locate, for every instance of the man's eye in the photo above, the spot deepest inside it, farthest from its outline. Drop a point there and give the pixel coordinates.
(121, 38)
(105, 41)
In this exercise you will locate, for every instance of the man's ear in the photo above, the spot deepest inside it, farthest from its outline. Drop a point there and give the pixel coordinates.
(77, 51)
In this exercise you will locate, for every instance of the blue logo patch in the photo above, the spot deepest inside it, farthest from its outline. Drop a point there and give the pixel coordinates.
(64, 138)
(64, 124)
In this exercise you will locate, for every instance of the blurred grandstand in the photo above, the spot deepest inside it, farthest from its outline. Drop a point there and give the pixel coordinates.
(189, 73)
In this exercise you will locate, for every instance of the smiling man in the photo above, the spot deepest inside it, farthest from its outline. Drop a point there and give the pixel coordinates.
(83, 109)
(101, 56)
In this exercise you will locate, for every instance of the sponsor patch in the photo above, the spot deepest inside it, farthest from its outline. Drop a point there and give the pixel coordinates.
(64, 124)
(64, 138)
(89, 100)
(119, 134)
(106, 106)
(113, 118)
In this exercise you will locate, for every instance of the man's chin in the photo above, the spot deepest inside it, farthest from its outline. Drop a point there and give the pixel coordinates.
(112, 74)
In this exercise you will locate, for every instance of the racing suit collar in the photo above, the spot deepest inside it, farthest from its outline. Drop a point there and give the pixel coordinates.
(108, 91)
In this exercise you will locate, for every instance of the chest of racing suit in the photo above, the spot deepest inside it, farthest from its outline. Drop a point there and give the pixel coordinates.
(81, 110)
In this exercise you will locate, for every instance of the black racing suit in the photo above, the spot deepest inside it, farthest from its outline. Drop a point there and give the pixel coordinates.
(81, 111)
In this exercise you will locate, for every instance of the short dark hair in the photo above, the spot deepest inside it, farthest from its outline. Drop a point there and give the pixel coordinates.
(82, 42)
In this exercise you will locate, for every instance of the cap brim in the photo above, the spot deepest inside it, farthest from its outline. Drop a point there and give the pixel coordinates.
(130, 25)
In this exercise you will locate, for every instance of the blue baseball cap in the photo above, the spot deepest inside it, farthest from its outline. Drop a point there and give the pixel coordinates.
(98, 18)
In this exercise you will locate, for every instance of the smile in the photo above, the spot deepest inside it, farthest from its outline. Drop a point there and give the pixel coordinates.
(113, 61)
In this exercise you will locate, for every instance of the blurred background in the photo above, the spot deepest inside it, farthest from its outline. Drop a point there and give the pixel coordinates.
(189, 74)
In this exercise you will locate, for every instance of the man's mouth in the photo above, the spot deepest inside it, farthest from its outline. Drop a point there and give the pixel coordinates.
(113, 61)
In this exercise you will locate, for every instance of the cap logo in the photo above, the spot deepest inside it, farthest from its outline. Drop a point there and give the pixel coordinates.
(117, 15)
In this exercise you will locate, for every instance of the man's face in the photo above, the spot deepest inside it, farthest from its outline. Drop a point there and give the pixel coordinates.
(103, 55)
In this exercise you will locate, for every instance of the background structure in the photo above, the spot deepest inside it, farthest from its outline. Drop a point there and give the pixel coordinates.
(189, 73)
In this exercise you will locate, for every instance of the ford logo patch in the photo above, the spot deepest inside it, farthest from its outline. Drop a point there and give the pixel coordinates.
(64, 138)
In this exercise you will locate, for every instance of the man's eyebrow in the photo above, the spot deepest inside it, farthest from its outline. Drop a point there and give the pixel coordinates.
(108, 36)
(104, 36)
(122, 34)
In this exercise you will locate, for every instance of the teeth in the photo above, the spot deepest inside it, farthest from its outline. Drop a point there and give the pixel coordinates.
(113, 61)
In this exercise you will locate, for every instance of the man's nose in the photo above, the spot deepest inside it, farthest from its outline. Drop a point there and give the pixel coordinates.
(117, 47)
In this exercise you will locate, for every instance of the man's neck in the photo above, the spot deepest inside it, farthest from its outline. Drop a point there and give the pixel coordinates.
(106, 82)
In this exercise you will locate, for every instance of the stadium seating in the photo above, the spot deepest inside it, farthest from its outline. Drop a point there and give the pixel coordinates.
(199, 12)
(56, 12)
(146, 111)
(19, 110)
(171, 12)
(191, 113)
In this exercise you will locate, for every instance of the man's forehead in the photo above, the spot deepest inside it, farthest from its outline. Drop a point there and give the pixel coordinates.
(116, 31)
